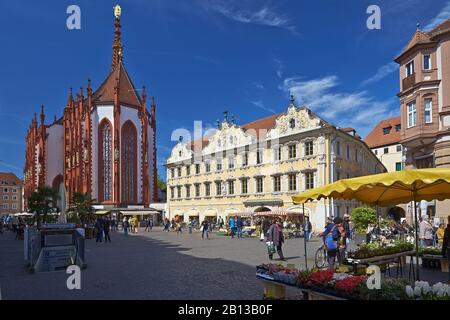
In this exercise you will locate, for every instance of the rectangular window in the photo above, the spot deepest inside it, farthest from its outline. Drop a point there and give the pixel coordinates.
(244, 186)
(386, 130)
(188, 191)
(259, 157)
(277, 153)
(207, 166)
(398, 127)
(411, 114)
(14, 198)
(172, 173)
(5, 197)
(245, 159)
(197, 190)
(309, 148)
(219, 165)
(277, 183)
(259, 185)
(179, 192)
(188, 170)
(292, 151)
(231, 163)
(5, 206)
(398, 166)
(197, 168)
(172, 192)
(338, 148)
(386, 150)
(426, 62)
(218, 188)
(208, 189)
(292, 182)
(409, 68)
(376, 152)
(14, 190)
(399, 148)
(230, 187)
(14, 206)
(428, 110)
(309, 180)
(179, 172)
(348, 152)
(356, 155)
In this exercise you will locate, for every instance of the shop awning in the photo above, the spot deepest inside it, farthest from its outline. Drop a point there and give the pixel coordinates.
(241, 214)
(277, 214)
(138, 213)
(102, 212)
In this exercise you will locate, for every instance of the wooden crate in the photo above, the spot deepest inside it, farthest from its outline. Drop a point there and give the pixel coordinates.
(444, 265)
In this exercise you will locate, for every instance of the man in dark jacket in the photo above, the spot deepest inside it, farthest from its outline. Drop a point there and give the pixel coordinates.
(446, 244)
(275, 235)
(265, 227)
(307, 229)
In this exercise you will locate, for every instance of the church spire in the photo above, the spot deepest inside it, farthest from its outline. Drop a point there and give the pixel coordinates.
(117, 46)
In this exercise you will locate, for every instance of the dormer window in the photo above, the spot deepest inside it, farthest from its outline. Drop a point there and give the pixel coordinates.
(386, 130)
(292, 123)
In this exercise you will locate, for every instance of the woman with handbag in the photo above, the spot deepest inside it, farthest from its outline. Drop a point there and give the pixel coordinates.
(275, 239)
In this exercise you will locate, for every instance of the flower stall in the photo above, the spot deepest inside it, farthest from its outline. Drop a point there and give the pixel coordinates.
(432, 258)
(333, 285)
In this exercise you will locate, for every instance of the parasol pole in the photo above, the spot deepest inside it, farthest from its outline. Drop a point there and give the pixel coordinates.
(416, 234)
(304, 239)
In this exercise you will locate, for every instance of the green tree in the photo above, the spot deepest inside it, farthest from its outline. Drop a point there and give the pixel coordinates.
(162, 185)
(41, 202)
(362, 217)
(82, 207)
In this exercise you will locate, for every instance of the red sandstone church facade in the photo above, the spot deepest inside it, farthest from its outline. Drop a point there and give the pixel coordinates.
(104, 144)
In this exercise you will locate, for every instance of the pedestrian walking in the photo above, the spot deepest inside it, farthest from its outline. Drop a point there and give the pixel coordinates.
(440, 233)
(178, 227)
(99, 229)
(307, 228)
(425, 232)
(265, 225)
(106, 228)
(446, 244)
(205, 229)
(232, 226)
(239, 226)
(275, 239)
(125, 226)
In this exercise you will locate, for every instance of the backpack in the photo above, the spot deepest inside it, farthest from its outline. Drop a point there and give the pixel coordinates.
(329, 241)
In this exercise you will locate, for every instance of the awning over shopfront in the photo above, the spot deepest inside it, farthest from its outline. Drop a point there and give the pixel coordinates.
(277, 214)
(102, 212)
(263, 202)
(241, 214)
(138, 213)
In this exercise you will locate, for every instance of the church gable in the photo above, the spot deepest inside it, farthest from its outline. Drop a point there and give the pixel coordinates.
(295, 120)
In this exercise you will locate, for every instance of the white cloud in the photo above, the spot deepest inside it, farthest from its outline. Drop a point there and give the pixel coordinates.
(381, 73)
(265, 15)
(356, 109)
(279, 67)
(443, 15)
(261, 105)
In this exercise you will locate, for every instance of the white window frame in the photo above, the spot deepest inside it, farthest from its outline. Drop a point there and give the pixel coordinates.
(275, 184)
(407, 72)
(411, 113)
(429, 109)
(14, 206)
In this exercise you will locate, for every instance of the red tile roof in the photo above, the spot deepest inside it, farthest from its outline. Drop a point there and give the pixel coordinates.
(261, 126)
(127, 91)
(377, 138)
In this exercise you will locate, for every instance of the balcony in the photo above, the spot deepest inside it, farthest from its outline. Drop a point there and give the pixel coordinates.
(408, 82)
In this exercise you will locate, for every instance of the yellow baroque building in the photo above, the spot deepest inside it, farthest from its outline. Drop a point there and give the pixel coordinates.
(259, 166)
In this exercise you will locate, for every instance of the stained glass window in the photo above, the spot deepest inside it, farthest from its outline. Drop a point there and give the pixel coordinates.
(129, 163)
(106, 150)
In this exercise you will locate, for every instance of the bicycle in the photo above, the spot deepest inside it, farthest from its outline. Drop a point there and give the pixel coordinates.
(321, 257)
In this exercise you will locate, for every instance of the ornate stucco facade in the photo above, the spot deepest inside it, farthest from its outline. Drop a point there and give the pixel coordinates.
(261, 165)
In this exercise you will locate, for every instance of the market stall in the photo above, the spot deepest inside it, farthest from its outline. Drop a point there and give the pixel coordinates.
(388, 189)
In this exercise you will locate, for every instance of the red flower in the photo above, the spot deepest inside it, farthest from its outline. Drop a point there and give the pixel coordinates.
(321, 278)
(349, 284)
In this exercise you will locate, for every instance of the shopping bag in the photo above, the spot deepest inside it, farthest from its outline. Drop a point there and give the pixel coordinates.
(201, 229)
(270, 247)
(262, 236)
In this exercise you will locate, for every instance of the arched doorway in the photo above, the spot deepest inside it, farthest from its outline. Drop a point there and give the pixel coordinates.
(129, 164)
(396, 213)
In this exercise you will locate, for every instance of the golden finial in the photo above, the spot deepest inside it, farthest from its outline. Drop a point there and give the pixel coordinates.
(117, 11)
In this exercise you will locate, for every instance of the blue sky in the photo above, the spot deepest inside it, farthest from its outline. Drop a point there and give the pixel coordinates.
(199, 58)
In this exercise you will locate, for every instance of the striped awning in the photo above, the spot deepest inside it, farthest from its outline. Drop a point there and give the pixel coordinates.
(138, 213)
(277, 214)
(241, 214)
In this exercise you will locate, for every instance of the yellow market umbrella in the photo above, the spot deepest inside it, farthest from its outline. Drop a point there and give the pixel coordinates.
(388, 189)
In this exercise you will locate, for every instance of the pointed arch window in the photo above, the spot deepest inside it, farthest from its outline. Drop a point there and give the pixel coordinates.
(129, 164)
(105, 161)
